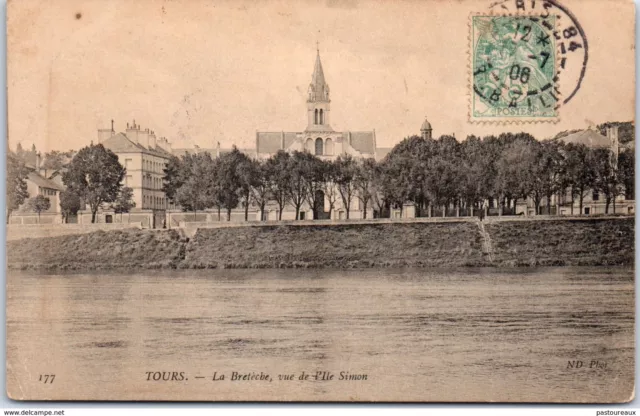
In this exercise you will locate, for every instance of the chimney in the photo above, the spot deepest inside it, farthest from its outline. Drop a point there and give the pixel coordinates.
(132, 132)
(143, 137)
(152, 140)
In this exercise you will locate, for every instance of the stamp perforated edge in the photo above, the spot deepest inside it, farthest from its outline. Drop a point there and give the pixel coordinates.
(470, 96)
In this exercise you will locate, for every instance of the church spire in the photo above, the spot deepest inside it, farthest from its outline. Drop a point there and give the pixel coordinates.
(318, 101)
(318, 89)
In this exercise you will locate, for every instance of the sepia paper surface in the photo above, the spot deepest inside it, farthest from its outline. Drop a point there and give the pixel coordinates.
(494, 321)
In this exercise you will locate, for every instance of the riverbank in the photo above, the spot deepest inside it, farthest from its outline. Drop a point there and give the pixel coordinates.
(462, 243)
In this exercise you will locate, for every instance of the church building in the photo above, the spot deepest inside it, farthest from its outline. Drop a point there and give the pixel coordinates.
(319, 138)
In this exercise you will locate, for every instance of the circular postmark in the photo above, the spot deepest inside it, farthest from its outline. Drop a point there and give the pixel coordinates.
(571, 40)
(514, 71)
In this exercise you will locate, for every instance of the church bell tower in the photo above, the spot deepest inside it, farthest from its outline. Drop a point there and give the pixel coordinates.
(318, 101)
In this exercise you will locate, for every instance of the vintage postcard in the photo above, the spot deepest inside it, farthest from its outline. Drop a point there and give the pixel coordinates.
(343, 200)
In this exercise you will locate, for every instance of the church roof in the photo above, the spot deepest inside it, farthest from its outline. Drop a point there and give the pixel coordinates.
(362, 141)
(271, 142)
(590, 138)
(426, 125)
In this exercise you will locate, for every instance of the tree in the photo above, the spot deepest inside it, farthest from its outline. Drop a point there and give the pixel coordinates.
(246, 173)
(70, 204)
(314, 179)
(363, 182)
(55, 160)
(408, 161)
(38, 204)
(95, 175)
(329, 186)
(395, 178)
(173, 177)
(124, 201)
(345, 173)
(377, 194)
(16, 184)
(606, 179)
(296, 188)
(578, 172)
(547, 171)
(229, 183)
(442, 176)
(514, 169)
(626, 172)
(260, 189)
(278, 177)
(196, 179)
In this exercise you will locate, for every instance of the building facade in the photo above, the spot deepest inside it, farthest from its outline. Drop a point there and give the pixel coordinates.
(145, 157)
(38, 183)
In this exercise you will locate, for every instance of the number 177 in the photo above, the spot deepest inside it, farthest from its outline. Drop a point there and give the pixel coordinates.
(47, 378)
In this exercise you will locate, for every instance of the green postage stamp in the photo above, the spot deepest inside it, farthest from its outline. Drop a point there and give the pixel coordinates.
(513, 69)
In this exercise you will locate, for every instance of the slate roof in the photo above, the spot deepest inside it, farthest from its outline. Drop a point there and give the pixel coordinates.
(120, 143)
(43, 182)
(362, 141)
(271, 142)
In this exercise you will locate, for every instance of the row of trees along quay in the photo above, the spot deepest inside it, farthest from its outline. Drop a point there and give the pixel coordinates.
(426, 172)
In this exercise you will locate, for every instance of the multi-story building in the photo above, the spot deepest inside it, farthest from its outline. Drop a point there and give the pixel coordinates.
(144, 156)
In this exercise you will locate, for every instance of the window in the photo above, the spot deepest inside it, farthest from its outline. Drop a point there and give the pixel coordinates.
(321, 116)
(328, 147)
(309, 145)
(596, 196)
(319, 146)
(316, 117)
(302, 215)
(587, 210)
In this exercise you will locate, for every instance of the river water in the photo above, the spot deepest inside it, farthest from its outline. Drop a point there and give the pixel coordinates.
(410, 335)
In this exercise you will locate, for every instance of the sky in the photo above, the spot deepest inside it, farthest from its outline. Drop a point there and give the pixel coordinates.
(201, 72)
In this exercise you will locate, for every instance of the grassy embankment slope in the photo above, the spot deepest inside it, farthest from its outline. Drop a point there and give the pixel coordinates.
(344, 246)
(452, 244)
(563, 242)
(98, 251)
